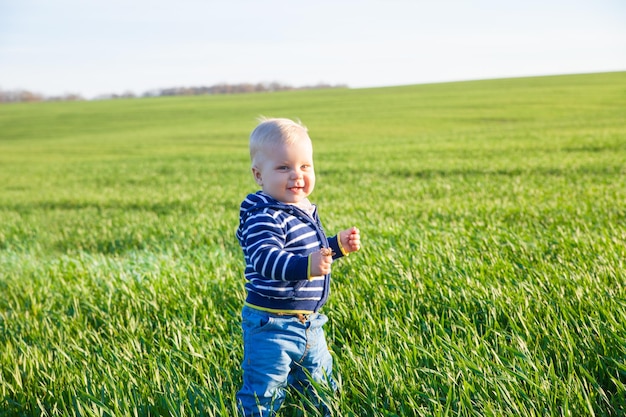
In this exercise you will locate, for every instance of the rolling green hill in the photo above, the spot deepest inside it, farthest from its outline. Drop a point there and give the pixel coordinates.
(491, 280)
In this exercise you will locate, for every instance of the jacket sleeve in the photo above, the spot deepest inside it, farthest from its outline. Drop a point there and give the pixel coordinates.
(333, 242)
(264, 241)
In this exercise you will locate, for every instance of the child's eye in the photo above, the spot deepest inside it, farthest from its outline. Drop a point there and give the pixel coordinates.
(282, 168)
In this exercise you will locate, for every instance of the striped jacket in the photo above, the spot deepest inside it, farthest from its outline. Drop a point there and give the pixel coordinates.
(277, 239)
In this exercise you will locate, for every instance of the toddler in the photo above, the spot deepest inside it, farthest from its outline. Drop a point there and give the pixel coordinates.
(288, 263)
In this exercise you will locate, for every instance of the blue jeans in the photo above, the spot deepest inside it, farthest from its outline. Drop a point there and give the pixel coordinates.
(281, 351)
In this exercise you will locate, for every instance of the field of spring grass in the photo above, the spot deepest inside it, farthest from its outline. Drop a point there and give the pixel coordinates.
(492, 279)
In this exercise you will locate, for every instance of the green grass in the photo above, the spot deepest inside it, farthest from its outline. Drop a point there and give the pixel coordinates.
(491, 280)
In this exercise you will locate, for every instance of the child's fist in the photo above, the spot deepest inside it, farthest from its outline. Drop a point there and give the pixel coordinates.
(320, 262)
(350, 239)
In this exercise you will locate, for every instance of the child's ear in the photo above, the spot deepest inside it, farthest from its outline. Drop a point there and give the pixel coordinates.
(257, 176)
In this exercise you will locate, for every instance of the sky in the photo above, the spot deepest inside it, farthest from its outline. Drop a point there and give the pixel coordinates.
(99, 47)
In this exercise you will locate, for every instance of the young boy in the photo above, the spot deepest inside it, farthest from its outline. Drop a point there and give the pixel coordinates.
(288, 262)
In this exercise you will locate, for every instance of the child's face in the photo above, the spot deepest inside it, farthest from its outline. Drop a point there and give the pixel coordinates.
(285, 171)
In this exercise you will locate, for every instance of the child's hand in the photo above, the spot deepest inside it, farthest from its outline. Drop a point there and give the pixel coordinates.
(320, 262)
(350, 239)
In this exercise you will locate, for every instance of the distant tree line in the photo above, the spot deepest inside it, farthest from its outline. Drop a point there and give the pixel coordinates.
(25, 96)
(21, 96)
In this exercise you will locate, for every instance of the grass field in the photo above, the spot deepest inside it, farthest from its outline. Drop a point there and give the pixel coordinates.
(491, 280)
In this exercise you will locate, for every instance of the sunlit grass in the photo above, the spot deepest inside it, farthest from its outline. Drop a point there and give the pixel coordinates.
(491, 281)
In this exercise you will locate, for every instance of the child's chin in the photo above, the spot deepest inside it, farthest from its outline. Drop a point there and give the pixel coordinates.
(296, 197)
(293, 200)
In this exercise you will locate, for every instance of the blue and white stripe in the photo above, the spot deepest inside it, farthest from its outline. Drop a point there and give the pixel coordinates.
(277, 239)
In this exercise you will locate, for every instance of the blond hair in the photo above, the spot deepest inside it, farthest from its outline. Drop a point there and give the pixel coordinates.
(272, 131)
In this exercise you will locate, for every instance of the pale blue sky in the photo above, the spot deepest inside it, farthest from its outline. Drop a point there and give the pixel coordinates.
(94, 47)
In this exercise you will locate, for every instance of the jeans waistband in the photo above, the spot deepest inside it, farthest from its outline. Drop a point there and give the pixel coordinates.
(302, 317)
